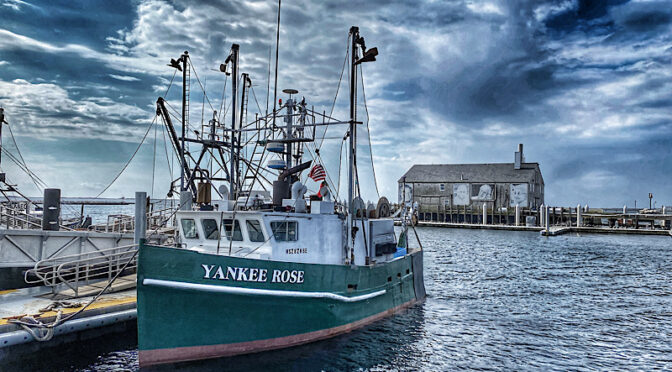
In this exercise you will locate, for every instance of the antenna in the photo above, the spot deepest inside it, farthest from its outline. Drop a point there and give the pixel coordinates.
(277, 48)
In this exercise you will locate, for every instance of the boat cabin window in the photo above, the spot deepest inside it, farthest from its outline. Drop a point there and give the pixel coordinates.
(189, 228)
(254, 231)
(210, 229)
(237, 234)
(285, 231)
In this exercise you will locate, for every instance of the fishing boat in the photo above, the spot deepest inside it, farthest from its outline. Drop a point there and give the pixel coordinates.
(256, 270)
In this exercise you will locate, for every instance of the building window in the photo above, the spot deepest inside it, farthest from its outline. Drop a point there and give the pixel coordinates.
(285, 231)
(210, 229)
(442, 187)
(237, 235)
(254, 231)
(189, 228)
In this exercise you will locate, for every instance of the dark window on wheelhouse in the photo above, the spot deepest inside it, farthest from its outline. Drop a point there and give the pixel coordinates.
(210, 229)
(237, 234)
(254, 231)
(285, 231)
(189, 228)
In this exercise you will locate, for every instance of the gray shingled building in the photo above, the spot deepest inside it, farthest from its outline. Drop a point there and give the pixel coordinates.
(444, 192)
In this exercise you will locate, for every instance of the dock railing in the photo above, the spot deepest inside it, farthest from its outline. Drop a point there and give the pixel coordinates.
(126, 223)
(78, 270)
(15, 215)
(650, 219)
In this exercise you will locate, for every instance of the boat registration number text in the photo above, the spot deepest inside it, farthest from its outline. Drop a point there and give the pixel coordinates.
(251, 274)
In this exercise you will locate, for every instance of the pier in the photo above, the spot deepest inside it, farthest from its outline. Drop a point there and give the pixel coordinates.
(554, 221)
(71, 286)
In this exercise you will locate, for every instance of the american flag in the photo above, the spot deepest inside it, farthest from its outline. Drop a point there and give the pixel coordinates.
(317, 173)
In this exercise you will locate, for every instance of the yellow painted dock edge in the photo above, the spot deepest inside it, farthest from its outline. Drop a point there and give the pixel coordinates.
(96, 305)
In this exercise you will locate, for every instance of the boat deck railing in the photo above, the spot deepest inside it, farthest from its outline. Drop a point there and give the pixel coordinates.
(75, 271)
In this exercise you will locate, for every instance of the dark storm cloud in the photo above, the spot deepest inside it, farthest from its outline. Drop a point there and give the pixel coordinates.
(78, 22)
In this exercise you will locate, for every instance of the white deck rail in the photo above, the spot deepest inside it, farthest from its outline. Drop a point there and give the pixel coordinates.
(78, 270)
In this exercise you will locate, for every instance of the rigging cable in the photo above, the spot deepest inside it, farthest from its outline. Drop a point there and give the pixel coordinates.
(191, 65)
(129, 160)
(338, 87)
(22, 167)
(255, 97)
(32, 174)
(39, 183)
(333, 105)
(141, 142)
(368, 131)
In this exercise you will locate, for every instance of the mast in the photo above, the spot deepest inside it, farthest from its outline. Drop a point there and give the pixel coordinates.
(289, 129)
(247, 83)
(184, 113)
(234, 94)
(352, 155)
(367, 56)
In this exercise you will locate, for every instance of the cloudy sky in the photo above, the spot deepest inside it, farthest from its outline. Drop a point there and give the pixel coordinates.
(585, 85)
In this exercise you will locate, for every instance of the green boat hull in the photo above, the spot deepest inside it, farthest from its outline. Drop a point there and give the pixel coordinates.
(196, 306)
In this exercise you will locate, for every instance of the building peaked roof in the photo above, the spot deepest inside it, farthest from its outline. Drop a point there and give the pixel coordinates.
(479, 173)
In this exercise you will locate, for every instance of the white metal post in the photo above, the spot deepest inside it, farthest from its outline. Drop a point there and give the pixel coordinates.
(517, 215)
(140, 216)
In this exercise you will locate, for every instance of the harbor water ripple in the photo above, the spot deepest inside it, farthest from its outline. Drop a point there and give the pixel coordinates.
(499, 300)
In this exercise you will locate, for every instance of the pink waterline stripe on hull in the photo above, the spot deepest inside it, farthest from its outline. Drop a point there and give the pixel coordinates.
(182, 354)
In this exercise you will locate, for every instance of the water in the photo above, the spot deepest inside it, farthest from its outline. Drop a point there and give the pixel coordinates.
(496, 300)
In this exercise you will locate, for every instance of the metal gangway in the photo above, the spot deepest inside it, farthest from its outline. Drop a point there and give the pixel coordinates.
(87, 273)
